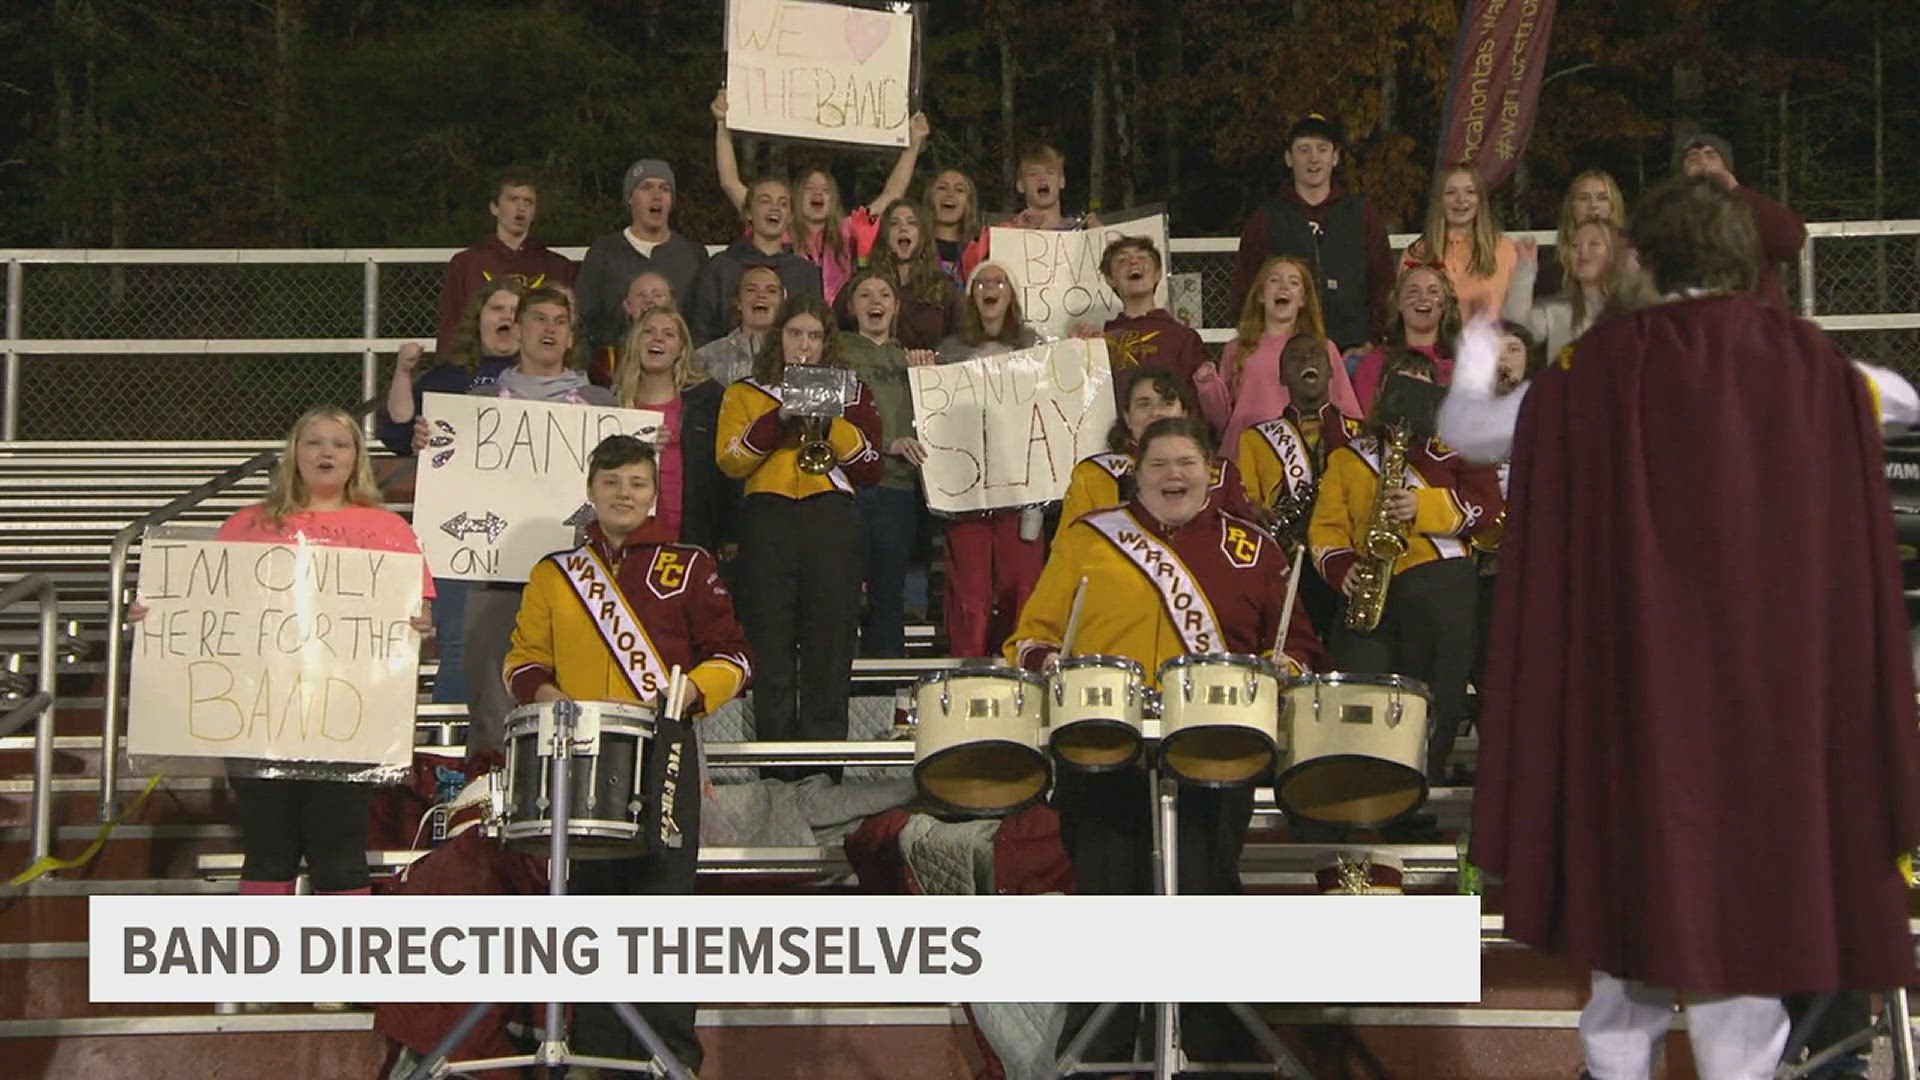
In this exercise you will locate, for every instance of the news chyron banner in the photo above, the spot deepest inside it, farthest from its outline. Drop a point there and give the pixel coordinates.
(799, 949)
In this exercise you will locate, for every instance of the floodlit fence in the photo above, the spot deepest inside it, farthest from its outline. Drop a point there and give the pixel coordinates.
(232, 344)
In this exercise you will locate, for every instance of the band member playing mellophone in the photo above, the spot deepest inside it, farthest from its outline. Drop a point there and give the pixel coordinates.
(1168, 574)
(322, 493)
(1106, 479)
(608, 622)
(799, 532)
(1392, 531)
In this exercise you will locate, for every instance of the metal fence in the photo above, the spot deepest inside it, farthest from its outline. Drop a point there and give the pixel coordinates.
(231, 345)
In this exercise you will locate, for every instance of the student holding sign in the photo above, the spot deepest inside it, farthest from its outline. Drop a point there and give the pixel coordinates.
(1227, 570)
(574, 640)
(543, 372)
(993, 557)
(322, 493)
(823, 233)
(769, 211)
(799, 536)
(1106, 479)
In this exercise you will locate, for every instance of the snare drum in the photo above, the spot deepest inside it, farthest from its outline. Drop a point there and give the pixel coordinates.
(1358, 749)
(1094, 707)
(976, 740)
(1220, 718)
(606, 796)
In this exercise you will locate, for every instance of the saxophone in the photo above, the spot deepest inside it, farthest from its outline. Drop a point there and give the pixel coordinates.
(1383, 543)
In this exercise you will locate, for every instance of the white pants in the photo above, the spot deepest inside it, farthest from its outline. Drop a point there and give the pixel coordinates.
(1734, 1038)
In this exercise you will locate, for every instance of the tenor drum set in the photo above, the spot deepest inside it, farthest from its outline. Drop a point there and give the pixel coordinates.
(1337, 748)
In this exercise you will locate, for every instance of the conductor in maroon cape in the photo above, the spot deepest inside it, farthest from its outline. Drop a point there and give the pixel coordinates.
(1698, 756)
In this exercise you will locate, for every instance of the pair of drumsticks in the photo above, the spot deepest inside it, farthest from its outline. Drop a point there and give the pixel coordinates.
(1279, 637)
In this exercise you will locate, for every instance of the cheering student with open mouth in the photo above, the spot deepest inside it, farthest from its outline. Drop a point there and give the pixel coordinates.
(322, 493)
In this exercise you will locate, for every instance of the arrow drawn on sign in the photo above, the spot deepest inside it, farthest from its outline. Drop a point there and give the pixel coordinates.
(460, 525)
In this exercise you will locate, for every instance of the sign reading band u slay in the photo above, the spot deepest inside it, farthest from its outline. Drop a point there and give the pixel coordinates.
(1007, 430)
(1058, 273)
(503, 481)
(286, 652)
(819, 71)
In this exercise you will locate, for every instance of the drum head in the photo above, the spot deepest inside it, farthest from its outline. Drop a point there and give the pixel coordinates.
(984, 779)
(1218, 755)
(587, 841)
(1350, 789)
(1096, 745)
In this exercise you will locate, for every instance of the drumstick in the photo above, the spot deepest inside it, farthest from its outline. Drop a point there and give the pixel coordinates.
(1073, 620)
(1286, 611)
(676, 692)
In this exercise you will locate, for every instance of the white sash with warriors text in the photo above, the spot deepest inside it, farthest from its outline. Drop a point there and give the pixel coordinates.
(1296, 464)
(1186, 605)
(620, 630)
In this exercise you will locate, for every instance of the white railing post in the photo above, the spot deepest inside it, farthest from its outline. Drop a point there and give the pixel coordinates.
(370, 331)
(10, 417)
(1806, 277)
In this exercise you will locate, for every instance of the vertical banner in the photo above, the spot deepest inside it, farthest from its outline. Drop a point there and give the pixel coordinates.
(1058, 273)
(1493, 92)
(285, 652)
(819, 71)
(503, 481)
(1007, 430)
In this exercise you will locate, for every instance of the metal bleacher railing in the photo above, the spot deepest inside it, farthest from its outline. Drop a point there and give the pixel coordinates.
(231, 344)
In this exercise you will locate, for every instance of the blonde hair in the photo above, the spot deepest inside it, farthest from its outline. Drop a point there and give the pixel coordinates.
(687, 369)
(1616, 214)
(287, 492)
(1432, 245)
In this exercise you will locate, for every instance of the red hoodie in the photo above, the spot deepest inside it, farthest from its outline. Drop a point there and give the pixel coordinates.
(532, 266)
(1155, 339)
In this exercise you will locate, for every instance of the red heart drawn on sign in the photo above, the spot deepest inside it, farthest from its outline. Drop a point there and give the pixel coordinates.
(866, 31)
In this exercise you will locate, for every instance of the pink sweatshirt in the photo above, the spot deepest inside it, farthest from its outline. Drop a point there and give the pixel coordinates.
(1262, 395)
(367, 527)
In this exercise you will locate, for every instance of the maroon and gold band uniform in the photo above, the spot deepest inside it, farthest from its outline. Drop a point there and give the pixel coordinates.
(799, 577)
(1321, 432)
(686, 619)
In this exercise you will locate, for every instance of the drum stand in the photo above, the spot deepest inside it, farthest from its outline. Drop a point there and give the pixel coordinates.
(552, 1051)
(1168, 1056)
(1892, 1021)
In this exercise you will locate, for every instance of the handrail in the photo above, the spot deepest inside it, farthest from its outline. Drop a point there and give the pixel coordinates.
(123, 542)
(42, 589)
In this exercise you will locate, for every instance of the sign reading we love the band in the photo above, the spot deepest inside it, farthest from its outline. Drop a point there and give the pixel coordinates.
(287, 652)
(503, 481)
(819, 71)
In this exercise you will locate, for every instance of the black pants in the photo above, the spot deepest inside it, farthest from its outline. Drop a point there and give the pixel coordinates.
(1106, 825)
(1428, 631)
(323, 821)
(597, 1030)
(800, 609)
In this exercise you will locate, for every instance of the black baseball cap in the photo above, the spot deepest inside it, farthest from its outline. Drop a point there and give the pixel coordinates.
(1315, 126)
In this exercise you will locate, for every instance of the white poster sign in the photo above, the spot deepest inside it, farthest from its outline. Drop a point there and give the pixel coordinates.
(289, 652)
(503, 481)
(1007, 430)
(1058, 273)
(819, 71)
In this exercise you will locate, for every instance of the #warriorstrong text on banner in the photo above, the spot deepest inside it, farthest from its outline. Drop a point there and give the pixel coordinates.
(1493, 93)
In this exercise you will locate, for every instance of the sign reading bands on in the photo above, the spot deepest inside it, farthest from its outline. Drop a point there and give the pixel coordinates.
(819, 71)
(1058, 273)
(503, 481)
(289, 652)
(1007, 430)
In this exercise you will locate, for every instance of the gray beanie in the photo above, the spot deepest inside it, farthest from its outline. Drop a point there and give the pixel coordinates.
(1702, 137)
(645, 169)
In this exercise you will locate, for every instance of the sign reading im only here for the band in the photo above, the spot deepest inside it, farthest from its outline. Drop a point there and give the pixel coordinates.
(503, 481)
(289, 652)
(1007, 430)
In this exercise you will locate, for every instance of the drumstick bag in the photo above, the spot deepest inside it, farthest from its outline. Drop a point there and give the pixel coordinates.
(667, 782)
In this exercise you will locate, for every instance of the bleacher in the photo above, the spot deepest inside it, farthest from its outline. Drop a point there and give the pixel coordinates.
(62, 504)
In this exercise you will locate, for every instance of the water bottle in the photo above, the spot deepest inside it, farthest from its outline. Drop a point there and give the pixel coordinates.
(1469, 875)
